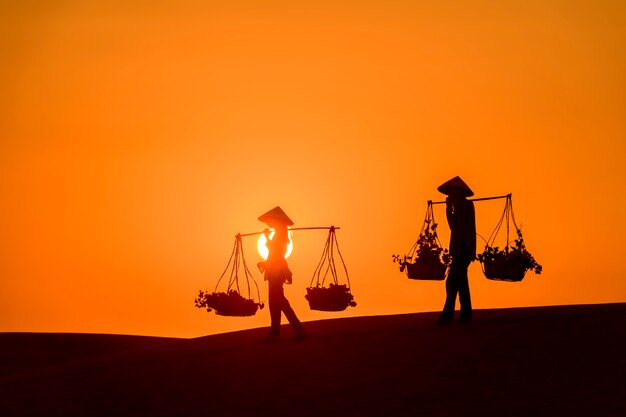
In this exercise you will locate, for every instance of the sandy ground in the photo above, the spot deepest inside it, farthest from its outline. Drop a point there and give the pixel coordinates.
(545, 361)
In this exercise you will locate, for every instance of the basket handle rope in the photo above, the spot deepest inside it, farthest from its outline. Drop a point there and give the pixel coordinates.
(428, 218)
(507, 217)
(237, 259)
(328, 259)
(232, 254)
(248, 274)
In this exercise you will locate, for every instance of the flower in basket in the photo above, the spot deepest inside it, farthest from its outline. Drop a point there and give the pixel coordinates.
(335, 297)
(227, 304)
(427, 249)
(514, 255)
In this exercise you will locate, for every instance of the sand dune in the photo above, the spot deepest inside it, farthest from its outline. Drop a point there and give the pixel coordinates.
(545, 361)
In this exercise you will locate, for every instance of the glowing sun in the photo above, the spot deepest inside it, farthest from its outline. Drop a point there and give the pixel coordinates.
(262, 247)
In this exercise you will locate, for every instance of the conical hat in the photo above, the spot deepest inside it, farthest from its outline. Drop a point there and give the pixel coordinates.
(455, 184)
(276, 217)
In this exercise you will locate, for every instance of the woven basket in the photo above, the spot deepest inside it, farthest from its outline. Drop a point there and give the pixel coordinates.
(429, 271)
(333, 298)
(504, 270)
(230, 304)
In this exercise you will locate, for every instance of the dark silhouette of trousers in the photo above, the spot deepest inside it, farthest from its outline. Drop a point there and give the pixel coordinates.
(279, 304)
(457, 283)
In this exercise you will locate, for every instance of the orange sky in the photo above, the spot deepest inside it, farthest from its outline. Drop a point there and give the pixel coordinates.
(136, 139)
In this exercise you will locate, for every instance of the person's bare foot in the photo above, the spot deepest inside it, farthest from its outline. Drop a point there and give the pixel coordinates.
(271, 338)
(299, 336)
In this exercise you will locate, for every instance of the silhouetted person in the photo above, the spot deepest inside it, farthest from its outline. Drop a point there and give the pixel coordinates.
(277, 273)
(462, 222)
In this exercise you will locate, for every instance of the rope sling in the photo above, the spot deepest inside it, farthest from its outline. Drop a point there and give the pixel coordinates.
(336, 296)
(427, 259)
(231, 302)
(511, 263)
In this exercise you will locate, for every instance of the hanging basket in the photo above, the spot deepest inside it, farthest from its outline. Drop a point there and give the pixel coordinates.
(504, 269)
(332, 298)
(427, 259)
(227, 304)
(429, 270)
(511, 263)
(232, 302)
(329, 296)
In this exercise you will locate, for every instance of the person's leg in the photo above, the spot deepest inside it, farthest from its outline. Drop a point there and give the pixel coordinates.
(464, 295)
(451, 290)
(285, 307)
(296, 325)
(275, 296)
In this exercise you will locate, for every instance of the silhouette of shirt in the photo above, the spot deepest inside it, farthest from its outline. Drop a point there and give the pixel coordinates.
(462, 222)
(276, 268)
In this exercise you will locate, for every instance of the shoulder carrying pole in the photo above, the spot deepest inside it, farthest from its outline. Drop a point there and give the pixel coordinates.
(475, 199)
(291, 229)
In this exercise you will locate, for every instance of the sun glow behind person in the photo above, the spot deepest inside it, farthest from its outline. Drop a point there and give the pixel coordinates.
(262, 244)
